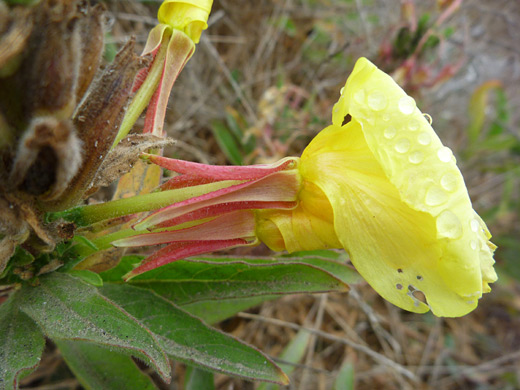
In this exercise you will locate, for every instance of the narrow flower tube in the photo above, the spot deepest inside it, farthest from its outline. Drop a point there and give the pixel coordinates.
(377, 182)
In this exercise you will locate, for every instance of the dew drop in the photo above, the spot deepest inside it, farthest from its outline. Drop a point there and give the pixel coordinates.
(436, 196)
(448, 225)
(474, 225)
(377, 101)
(445, 154)
(424, 138)
(402, 145)
(406, 105)
(359, 96)
(390, 132)
(413, 125)
(386, 117)
(449, 182)
(416, 157)
(429, 118)
(473, 244)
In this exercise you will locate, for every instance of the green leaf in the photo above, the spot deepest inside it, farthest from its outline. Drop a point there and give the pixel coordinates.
(216, 311)
(67, 308)
(87, 276)
(477, 108)
(227, 142)
(197, 379)
(345, 378)
(214, 278)
(292, 353)
(188, 339)
(99, 368)
(21, 343)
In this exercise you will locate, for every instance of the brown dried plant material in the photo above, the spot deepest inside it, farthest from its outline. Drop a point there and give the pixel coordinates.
(48, 156)
(92, 31)
(50, 72)
(15, 29)
(123, 157)
(97, 121)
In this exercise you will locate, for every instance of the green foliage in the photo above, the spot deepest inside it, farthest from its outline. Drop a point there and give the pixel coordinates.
(292, 354)
(22, 344)
(99, 323)
(232, 138)
(216, 278)
(99, 368)
(198, 379)
(345, 378)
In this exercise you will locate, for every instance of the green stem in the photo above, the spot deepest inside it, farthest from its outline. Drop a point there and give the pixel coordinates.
(87, 215)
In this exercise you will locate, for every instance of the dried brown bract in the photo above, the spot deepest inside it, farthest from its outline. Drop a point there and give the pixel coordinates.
(57, 124)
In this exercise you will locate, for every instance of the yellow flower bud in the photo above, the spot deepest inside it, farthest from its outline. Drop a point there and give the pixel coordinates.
(188, 16)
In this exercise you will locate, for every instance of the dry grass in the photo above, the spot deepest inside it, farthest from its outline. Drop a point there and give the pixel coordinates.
(309, 48)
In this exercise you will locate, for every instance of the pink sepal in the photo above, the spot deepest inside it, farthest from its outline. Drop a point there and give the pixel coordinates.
(183, 181)
(181, 250)
(277, 187)
(237, 224)
(222, 172)
(223, 208)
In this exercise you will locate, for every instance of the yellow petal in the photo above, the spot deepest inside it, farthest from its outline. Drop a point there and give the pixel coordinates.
(401, 208)
(189, 16)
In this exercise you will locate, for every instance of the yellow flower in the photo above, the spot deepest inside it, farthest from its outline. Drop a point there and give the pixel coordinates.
(379, 181)
(188, 16)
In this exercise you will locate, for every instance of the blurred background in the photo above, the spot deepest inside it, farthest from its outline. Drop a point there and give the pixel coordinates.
(262, 83)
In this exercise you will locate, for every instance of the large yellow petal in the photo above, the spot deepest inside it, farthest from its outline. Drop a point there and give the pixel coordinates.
(401, 208)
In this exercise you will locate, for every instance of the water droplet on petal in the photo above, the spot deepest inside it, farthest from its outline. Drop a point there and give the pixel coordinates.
(429, 118)
(449, 182)
(359, 96)
(436, 196)
(386, 117)
(474, 225)
(424, 138)
(377, 101)
(402, 145)
(416, 157)
(390, 132)
(448, 225)
(473, 244)
(445, 154)
(406, 105)
(413, 125)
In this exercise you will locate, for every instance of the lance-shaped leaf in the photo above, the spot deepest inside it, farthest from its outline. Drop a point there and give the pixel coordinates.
(196, 379)
(22, 344)
(189, 340)
(210, 278)
(98, 368)
(216, 311)
(67, 308)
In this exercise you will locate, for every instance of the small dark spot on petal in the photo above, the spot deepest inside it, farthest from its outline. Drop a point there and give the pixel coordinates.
(399, 286)
(346, 120)
(399, 270)
(419, 277)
